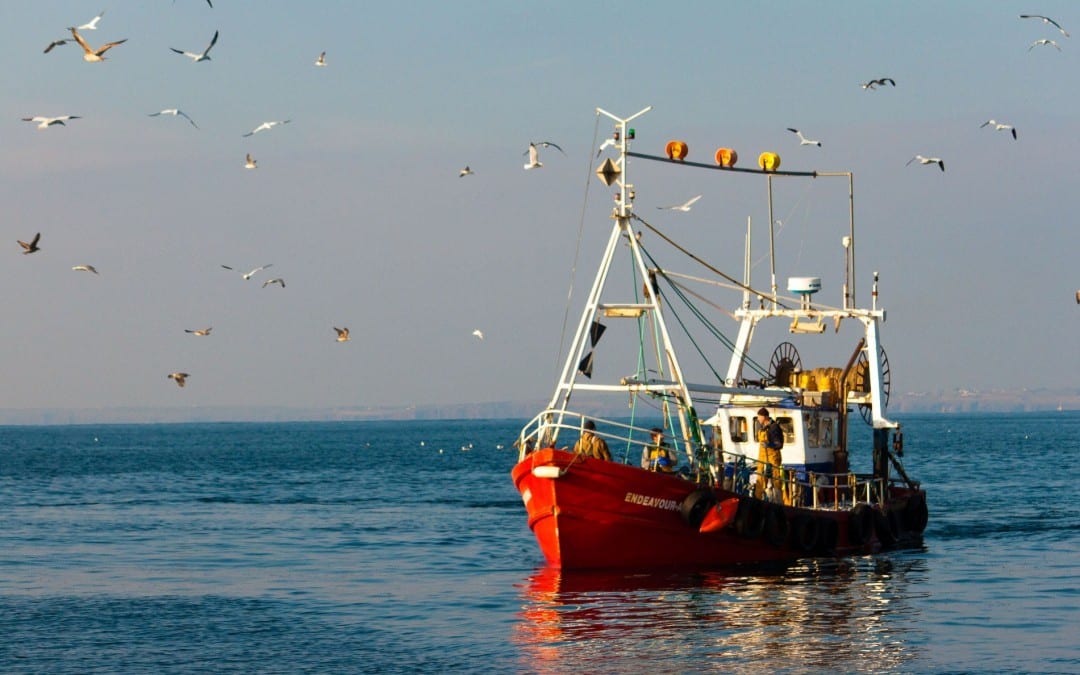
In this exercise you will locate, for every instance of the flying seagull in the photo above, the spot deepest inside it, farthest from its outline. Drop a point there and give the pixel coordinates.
(998, 126)
(1044, 41)
(342, 334)
(54, 43)
(200, 332)
(204, 56)
(276, 280)
(85, 268)
(321, 61)
(479, 334)
(32, 247)
(180, 378)
(92, 23)
(90, 54)
(880, 82)
(174, 112)
(802, 139)
(46, 122)
(549, 144)
(927, 160)
(265, 126)
(249, 162)
(685, 206)
(465, 172)
(1045, 19)
(534, 158)
(248, 275)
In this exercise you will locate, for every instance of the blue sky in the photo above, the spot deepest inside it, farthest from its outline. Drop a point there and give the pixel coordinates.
(358, 205)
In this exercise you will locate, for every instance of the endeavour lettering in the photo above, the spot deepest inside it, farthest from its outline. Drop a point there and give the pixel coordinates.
(654, 502)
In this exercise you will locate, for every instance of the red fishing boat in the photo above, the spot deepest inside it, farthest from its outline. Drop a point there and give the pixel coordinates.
(721, 500)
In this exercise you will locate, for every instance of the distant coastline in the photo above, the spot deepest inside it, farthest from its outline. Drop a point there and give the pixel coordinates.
(943, 402)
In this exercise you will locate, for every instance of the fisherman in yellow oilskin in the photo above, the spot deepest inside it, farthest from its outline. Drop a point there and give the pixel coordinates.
(658, 456)
(590, 444)
(770, 461)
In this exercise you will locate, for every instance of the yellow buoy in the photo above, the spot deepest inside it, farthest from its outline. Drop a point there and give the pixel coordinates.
(676, 150)
(769, 161)
(726, 157)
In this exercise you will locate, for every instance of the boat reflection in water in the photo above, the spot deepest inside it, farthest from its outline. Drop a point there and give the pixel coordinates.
(844, 615)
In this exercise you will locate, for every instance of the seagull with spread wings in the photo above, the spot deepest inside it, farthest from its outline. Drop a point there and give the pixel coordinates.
(92, 23)
(927, 160)
(1046, 20)
(181, 378)
(204, 56)
(248, 275)
(880, 82)
(342, 334)
(32, 246)
(46, 122)
(803, 140)
(90, 54)
(85, 268)
(265, 126)
(174, 112)
(1044, 42)
(199, 332)
(321, 61)
(685, 206)
(998, 126)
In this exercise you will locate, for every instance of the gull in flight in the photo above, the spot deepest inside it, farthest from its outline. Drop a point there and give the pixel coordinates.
(534, 158)
(85, 268)
(342, 334)
(249, 163)
(204, 56)
(927, 160)
(1046, 20)
(265, 126)
(248, 275)
(200, 332)
(90, 54)
(465, 172)
(1044, 41)
(479, 334)
(92, 23)
(685, 206)
(548, 144)
(802, 139)
(181, 378)
(54, 43)
(174, 112)
(880, 82)
(32, 247)
(321, 61)
(276, 280)
(998, 126)
(46, 122)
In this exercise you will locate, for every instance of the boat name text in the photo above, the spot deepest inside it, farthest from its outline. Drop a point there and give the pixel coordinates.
(654, 502)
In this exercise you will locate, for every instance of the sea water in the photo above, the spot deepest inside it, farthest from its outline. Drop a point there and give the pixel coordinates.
(403, 547)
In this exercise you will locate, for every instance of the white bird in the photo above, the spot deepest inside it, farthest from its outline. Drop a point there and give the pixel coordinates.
(534, 158)
(927, 160)
(802, 139)
(92, 23)
(321, 61)
(248, 275)
(880, 82)
(249, 162)
(685, 206)
(1044, 41)
(465, 172)
(1047, 20)
(342, 334)
(181, 378)
(998, 126)
(276, 280)
(265, 126)
(85, 268)
(478, 333)
(200, 332)
(46, 122)
(90, 54)
(174, 112)
(204, 56)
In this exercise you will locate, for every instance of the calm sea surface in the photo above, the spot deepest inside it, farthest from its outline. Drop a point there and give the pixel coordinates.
(403, 547)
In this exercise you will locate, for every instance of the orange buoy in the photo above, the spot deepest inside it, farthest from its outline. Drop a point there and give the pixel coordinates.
(769, 161)
(676, 150)
(726, 157)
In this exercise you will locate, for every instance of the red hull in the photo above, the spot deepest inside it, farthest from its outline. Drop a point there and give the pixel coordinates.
(598, 514)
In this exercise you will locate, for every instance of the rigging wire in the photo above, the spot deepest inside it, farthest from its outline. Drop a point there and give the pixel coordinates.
(577, 246)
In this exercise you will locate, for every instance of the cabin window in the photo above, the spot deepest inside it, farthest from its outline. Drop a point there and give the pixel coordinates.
(813, 431)
(738, 428)
(788, 427)
(825, 432)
